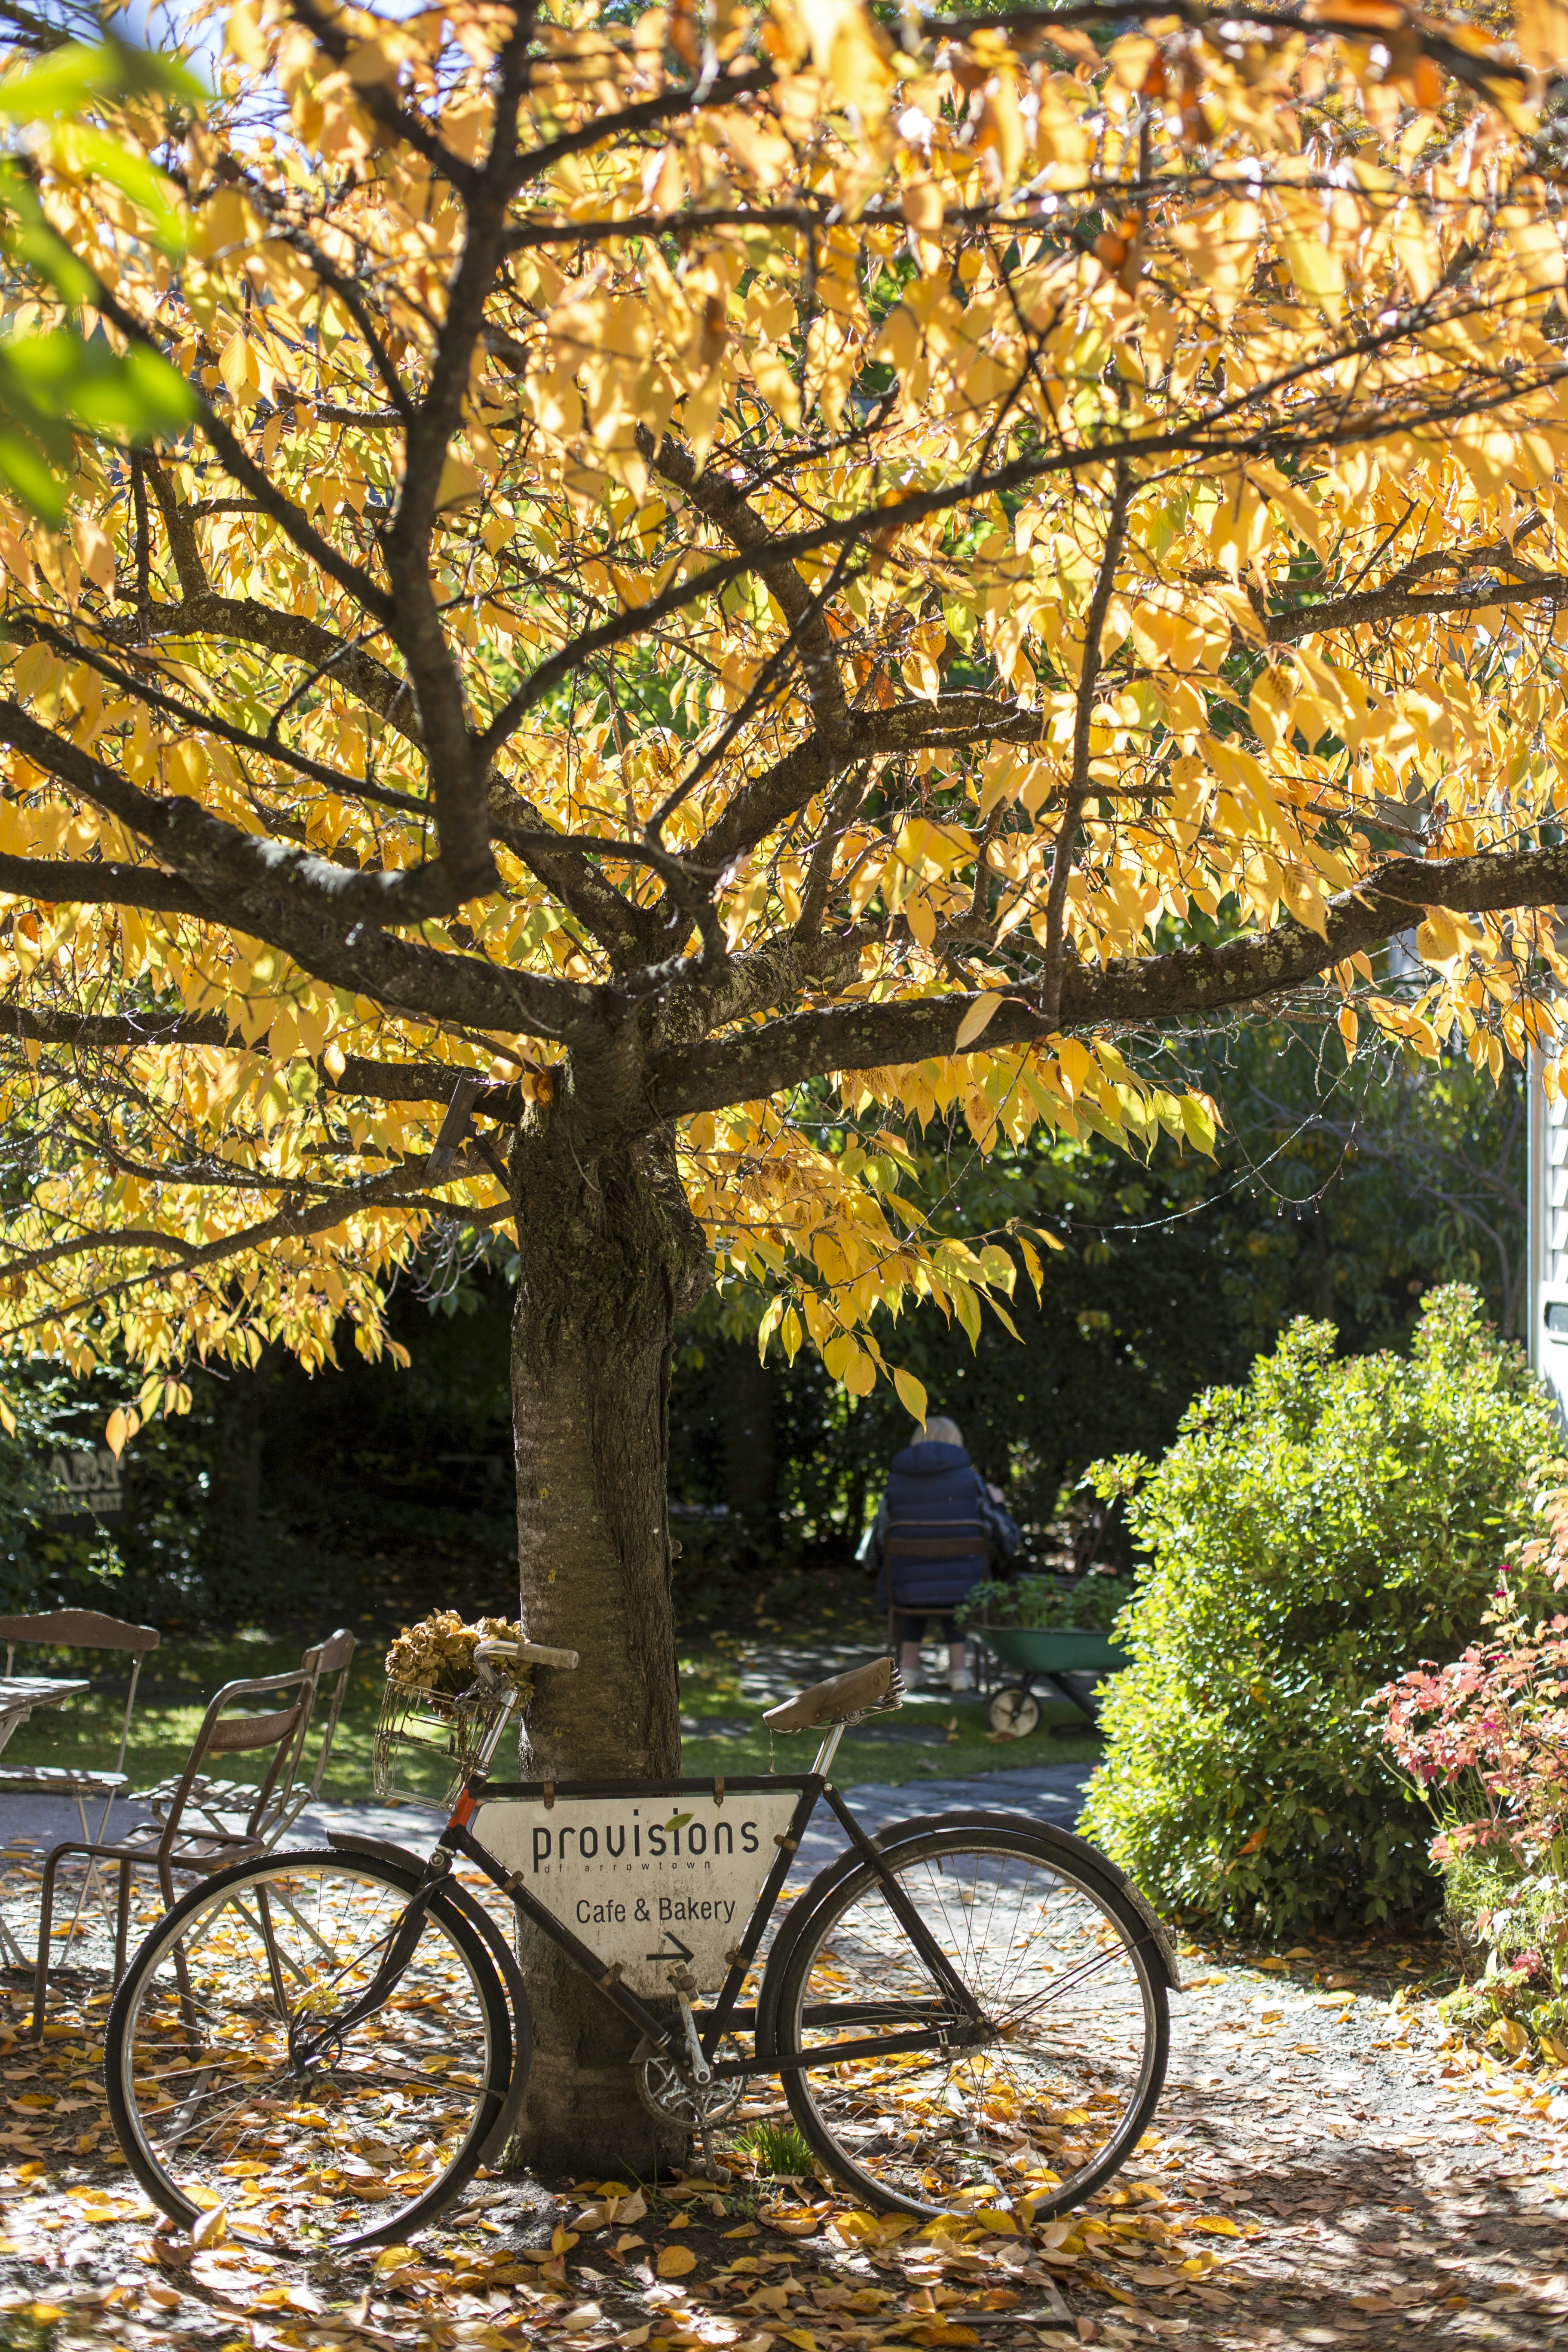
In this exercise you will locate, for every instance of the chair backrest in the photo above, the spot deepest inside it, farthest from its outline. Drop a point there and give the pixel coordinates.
(330, 1661)
(77, 1629)
(226, 1733)
(85, 1628)
(954, 1539)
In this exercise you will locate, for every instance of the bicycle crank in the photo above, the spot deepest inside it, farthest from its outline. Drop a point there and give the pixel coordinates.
(670, 2091)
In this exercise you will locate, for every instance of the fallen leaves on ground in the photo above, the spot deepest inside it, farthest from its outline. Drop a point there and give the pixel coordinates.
(1311, 2222)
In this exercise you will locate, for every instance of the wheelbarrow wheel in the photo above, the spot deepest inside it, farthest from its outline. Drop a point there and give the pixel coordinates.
(1014, 1711)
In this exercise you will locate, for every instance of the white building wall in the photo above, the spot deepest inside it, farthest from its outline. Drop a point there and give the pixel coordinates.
(1549, 1235)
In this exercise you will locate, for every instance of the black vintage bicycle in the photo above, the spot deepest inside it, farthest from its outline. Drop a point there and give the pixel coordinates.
(963, 2010)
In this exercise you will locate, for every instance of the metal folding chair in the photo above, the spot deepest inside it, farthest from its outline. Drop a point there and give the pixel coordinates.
(168, 1846)
(220, 1804)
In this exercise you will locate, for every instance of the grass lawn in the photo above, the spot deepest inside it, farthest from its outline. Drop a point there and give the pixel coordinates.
(181, 1677)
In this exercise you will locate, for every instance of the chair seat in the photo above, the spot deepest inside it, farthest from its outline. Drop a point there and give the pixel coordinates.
(191, 1849)
(61, 1780)
(205, 1796)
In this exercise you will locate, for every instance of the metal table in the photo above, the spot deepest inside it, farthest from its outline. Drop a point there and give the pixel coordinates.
(19, 1694)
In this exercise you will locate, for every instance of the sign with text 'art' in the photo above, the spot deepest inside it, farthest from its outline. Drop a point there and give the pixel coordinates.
(652, 1882)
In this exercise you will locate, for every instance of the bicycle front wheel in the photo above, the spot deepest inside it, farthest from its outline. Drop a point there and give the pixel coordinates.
(1036, 2082)
(238, 2075)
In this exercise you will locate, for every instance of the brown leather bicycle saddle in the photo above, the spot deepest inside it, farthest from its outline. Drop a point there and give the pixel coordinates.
(843, 1699)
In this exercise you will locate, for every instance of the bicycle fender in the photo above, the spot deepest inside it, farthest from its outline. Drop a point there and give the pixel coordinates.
(788, 1935)
(506, 1962)
(1090, 1858)
(511, 1977)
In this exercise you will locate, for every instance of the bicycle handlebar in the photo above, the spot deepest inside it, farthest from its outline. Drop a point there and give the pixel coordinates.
(535, 1653)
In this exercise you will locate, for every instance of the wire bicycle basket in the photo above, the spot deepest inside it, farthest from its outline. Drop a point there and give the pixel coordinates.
(445, 1732)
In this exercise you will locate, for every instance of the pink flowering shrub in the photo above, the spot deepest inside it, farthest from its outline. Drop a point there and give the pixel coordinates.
(1485, 1741)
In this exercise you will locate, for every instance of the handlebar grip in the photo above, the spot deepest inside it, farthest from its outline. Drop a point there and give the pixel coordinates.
(535, 1653)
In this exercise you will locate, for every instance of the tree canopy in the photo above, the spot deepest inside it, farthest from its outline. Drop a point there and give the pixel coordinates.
(723, 550)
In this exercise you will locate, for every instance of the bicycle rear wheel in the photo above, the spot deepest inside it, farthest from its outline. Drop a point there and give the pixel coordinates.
(237, 2074)
(1068, 2051)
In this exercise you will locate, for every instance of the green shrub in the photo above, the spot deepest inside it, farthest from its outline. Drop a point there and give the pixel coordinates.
(1048, 1602)
(1309, 1536)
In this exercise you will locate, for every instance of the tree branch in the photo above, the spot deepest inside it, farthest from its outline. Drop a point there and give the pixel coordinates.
(1065, 856)
(289, 1225)
(86, 882)
(1189, 983)
(106, 1033)
(329, 918)
(205, 615)
(1393, 603)
(628, 933)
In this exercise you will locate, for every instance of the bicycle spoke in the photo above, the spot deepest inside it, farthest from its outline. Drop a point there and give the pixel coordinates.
(248, 2088)
(1074, 2046)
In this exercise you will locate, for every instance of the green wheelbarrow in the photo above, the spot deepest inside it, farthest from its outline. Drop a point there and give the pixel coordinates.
(1042, 1655)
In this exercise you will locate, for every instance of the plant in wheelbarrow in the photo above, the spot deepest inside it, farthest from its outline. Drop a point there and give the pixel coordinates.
(1042, 1628)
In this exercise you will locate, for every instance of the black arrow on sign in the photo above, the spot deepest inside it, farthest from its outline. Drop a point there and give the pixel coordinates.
(681, 1952)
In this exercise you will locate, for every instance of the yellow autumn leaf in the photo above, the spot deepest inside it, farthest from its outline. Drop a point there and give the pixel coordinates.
(459, 481)
(675, 2262)
(1540, 29)
(976, 1018)
(211, 2228)
(851, 48)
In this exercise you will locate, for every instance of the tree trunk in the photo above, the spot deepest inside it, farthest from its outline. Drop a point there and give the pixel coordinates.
(610, 1255)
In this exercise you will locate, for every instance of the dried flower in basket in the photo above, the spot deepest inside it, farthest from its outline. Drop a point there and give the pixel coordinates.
(437, 1654)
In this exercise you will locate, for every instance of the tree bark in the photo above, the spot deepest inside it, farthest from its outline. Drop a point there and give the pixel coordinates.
(610, 1255)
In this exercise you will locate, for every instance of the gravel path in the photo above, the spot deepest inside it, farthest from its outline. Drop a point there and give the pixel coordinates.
(1388, 2187)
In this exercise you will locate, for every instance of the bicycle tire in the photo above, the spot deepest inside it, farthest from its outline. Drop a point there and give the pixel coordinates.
(919, 2132)
(445, 2028)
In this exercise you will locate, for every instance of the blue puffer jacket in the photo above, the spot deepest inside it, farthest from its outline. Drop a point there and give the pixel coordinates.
(936, 1526)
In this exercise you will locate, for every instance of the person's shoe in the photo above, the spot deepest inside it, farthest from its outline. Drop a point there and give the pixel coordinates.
(961, 1680)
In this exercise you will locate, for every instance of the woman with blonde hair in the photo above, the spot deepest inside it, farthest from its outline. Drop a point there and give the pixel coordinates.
(935, 1533)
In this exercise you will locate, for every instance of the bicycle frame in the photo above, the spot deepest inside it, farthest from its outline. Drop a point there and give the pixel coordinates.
(960, 2023)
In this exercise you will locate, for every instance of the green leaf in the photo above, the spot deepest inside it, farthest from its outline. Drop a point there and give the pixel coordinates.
(54, 386)
(63, 84)
(141, 181)
(24, 469)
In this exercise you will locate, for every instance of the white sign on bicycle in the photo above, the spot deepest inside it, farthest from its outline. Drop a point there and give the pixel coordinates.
(652, 1882)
